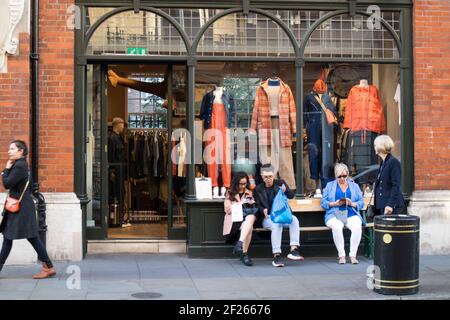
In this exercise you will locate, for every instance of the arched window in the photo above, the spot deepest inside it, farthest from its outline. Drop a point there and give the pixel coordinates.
(357, 36)
(239, 35)
(130, 33)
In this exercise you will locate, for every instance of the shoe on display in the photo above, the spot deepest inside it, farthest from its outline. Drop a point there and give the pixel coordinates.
(126, 225)
(223, 190)
(216, 192)
(318, 194)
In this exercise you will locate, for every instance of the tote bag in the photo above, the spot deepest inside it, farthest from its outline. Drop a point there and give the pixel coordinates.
(281, 212)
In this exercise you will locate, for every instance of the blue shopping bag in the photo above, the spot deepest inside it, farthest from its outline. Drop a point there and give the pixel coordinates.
(281, 212)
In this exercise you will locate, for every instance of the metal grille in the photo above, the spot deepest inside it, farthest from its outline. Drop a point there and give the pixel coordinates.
(142, 33)
(352, 37)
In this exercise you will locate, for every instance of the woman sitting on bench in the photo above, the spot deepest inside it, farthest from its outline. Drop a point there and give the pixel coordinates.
(240, 194)
(342, 200)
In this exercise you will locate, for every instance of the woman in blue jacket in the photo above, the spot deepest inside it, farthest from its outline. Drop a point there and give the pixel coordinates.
(388, 194)
(342, 199)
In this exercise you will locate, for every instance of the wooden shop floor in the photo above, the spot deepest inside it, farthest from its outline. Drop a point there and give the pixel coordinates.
(139, 230)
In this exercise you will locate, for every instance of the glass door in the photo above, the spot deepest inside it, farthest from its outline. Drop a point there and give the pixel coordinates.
(96, 152)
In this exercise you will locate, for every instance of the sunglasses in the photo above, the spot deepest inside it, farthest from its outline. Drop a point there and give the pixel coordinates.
(243, 184)
(340, 177)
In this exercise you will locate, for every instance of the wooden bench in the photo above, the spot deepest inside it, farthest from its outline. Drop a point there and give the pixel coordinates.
(313, 206)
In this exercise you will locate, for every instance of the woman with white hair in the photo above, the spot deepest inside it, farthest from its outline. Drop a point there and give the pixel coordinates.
(388, 195)
(342, 199)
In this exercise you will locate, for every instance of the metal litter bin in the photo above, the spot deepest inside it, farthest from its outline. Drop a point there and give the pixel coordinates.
(396, 256)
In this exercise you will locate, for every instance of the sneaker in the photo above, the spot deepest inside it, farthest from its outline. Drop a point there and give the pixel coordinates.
(295, 255)
(318, 194)
(126, 225)
(276, 262)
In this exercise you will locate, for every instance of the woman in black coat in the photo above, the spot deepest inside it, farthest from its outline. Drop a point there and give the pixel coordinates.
(22, 224)
(388, 194)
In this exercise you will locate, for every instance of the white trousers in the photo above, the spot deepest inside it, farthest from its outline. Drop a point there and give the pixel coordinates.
(354, 224)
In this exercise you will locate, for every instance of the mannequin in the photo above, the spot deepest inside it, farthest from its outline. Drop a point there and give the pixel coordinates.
(158, 89)
(275, 145)
(116, 162)
(363, 100)
(364, 83)
(320, 135)
(216, 111)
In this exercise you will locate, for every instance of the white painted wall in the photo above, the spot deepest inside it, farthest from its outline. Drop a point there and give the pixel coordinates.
(64, 231)
(22, 26)
(433, 208)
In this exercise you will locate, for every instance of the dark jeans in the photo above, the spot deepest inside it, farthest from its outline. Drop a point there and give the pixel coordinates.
(35, 242)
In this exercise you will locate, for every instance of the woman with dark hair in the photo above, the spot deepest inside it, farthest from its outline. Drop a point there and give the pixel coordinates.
(21, 224)
(240, 194)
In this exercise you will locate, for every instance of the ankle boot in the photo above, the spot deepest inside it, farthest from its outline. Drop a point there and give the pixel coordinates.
(46, 272)
(238, 248)
(246, 260)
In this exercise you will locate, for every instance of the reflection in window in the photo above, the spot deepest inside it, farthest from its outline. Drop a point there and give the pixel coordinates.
(146, 110)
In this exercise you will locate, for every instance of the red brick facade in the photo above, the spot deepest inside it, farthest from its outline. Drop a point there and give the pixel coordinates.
(431, 40)
(432, 94)
(56, 85)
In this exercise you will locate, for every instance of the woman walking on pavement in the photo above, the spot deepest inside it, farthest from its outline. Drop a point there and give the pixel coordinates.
(21, 224)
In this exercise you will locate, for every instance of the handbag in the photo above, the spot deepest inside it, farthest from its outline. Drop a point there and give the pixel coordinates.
(329, 115)
(370, 211)
(12, 205)
(280, 211)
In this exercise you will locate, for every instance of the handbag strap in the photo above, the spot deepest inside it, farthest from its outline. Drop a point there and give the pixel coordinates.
(320, 102)
(24, 189)
(26, 186)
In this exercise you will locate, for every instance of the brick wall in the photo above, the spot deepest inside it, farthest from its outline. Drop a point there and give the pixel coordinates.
(15, 100)
(56, 85)
(432, 94)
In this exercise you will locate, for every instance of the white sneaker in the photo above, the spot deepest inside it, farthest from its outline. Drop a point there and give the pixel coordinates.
(318, 194)
(216, 192)
(126, 225)
(223, 190)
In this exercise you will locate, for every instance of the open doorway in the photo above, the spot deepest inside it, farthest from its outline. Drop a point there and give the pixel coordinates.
(136, 191)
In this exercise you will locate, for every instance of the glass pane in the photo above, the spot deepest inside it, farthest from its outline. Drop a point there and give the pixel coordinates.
(364, 111)
(142, 33)
(352, 37)
(240, 83)
(177, 145)
(245, 35)
(93, 148)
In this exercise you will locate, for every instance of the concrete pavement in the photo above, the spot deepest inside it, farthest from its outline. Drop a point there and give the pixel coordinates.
(177, 277)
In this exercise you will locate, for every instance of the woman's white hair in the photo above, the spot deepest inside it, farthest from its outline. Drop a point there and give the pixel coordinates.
(340, 168)
(383, 144)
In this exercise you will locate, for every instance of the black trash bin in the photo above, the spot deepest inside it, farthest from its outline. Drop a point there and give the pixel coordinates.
(396, 246)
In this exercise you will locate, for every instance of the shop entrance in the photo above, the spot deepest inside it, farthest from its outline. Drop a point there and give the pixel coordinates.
(135, 189)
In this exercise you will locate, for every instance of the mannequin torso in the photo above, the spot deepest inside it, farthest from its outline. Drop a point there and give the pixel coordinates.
(273, 91)
(363, 83)
(218, 92)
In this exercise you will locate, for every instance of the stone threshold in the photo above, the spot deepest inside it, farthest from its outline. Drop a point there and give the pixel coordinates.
(136, 246)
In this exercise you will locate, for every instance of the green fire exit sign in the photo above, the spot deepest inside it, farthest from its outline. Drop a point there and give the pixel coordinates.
(139, 51)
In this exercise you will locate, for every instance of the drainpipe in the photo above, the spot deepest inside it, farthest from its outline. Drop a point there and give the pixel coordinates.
(34, 61)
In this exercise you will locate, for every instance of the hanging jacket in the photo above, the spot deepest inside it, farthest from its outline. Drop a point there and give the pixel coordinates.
(312, 111)
(286, 111)
(207, 104)
(364, 110)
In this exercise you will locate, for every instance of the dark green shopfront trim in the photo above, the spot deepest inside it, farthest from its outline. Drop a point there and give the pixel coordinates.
(404, 46)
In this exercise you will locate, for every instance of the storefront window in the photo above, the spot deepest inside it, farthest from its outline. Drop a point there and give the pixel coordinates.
(233, 100)
(364, 98)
